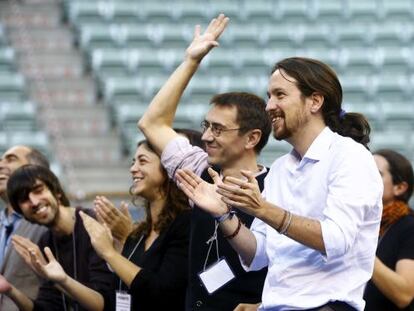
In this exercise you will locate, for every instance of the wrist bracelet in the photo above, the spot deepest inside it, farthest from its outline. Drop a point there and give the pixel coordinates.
(283, 220)
(236, 232)
(287, 225)
(228, 215)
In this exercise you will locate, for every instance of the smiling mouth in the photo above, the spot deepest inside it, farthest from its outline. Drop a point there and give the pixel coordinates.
(40, 210)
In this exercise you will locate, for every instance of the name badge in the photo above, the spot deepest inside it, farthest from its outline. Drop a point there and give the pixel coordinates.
(216, 276)
(123, 301)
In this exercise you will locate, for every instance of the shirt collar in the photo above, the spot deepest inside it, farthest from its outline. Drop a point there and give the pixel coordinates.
(320, 145)
(8, 220)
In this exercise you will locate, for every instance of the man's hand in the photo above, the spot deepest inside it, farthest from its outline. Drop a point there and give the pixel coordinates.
(100, 235)
(5, 286)
(52, 270)
(202, 193)
(203, 43)
(242, 194)
(24, 247)
(119, 221)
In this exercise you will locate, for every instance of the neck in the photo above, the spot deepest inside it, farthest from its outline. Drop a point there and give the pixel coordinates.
(304, 138)
(65, 221)
(156, 207)
(248, 163)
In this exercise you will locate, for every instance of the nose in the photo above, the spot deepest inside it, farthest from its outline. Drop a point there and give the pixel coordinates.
(207, 135)
(33, 199)
(134, 167)
(270, 105)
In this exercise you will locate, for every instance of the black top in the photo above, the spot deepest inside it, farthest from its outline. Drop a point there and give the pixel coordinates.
(246, 287)
(161, 283)
(396, 244)
(92, 271)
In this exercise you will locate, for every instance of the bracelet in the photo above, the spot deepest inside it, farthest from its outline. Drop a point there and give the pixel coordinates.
(286, 227)
(283, 220)
(236, 232)
(225, 216)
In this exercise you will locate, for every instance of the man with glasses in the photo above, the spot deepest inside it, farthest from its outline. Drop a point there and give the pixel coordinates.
(235, 130)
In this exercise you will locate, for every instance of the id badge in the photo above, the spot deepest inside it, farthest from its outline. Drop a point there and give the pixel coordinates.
(123, 301)
(216, 276)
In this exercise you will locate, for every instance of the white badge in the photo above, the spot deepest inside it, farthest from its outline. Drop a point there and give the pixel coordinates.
(216, 276)
(123, 301)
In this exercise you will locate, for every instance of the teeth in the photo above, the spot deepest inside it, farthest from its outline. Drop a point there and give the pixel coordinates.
(41, 210)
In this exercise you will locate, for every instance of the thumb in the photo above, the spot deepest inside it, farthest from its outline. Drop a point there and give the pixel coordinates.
(214, 175)
(249, 175)
(49, 254)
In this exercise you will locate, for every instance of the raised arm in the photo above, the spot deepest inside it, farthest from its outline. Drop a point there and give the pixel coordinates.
(156, 123)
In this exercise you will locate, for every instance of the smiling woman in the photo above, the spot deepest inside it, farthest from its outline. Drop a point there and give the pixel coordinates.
(153, 267)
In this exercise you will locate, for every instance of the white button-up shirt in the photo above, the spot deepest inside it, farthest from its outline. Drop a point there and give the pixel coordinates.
(337, 182)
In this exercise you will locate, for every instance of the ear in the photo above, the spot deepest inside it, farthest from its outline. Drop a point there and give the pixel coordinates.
(317, 102)
(399, 189)
(253, 138)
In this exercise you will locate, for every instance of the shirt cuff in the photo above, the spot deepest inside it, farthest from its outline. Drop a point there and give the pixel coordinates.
(260, 259)
(334, 240)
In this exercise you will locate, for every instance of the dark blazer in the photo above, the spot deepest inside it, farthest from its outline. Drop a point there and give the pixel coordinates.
(162, 281)
(246, 287)
(15, 270)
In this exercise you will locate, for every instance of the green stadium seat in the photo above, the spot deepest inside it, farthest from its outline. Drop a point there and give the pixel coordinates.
(3, 142)
(329, 11)
(357, 61)
(259, 11)
(295, 10)
(12, 87)
(398, 115)
(351, 35)
(18, 116)
(3, 39)
(36, 139)
(397, 10)
(391, 87)
(355, 89)
(315, 36)
(362, 10)
(158, 11)
(123, 89)
(7, 59)
(109, 62)
(391, 139)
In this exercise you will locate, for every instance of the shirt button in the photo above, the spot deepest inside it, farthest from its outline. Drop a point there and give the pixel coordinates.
(199, 303)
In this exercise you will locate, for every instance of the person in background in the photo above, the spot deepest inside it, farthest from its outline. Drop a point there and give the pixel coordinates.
(392, 284)
(12, 266)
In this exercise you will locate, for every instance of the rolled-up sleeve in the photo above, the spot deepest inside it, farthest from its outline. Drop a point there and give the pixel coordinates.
(351, 197)
(260, 259)
(180, 154)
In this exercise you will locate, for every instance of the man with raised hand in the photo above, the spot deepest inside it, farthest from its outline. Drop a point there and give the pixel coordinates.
(12, 265)
(317, 220)
(235, 130)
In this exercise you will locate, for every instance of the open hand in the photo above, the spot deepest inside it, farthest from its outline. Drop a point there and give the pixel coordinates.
(119, 221)
(52, 270)
(99, 234)
(203, 43)
(24, 247)
(202, 193)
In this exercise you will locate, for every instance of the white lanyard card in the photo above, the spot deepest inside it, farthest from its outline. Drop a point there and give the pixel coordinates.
(123, 301)
(216, 276)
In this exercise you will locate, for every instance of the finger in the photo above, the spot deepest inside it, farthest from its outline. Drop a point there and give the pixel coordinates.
(22, 241)
(231, 188)
(189, 177)
(188, 190)
(106, 218)
(220, 28)
(125, 210)
(98, 216)
(211, 26)
(249, 175)
(49, 254)
(110, 206)
(197, 31)
(108, 230)
(214, 175)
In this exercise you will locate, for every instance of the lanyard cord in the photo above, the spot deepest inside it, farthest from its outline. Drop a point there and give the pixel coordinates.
(211, 241)
(75, 270)
(129, 257)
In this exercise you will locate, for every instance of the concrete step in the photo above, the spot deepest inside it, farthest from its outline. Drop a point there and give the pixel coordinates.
(51, 65)
(53, 39)
(30, 16)
(76, 92)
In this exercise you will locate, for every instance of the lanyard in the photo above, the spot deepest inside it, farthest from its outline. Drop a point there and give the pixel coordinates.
(211, 241)
(129, 257)
(75, 272)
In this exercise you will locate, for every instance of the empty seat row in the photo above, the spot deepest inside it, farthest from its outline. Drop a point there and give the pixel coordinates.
(18, 116)
(12, 87)
(259, 10)
(7, 59)
(251, 35)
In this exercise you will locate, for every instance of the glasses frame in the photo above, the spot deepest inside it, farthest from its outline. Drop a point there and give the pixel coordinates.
(216, 129)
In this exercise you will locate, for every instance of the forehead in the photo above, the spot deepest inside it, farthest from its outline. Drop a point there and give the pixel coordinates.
(225, 115)
(281, 80)
(144, 150)
(20, 152)
(381, 162)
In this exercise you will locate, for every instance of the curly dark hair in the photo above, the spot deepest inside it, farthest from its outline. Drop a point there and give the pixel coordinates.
(176, 202)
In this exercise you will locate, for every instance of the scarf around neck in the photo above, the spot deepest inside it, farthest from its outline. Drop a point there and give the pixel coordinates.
(391, 213)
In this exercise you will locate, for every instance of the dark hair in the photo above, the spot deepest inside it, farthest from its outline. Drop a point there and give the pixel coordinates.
(314, 76)
(23, 181)
(401, 170)
(38, 158)
(176, 202)
(193, 136)
(251, 113)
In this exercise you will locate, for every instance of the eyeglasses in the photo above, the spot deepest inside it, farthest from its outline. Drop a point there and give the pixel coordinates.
(216, 129)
